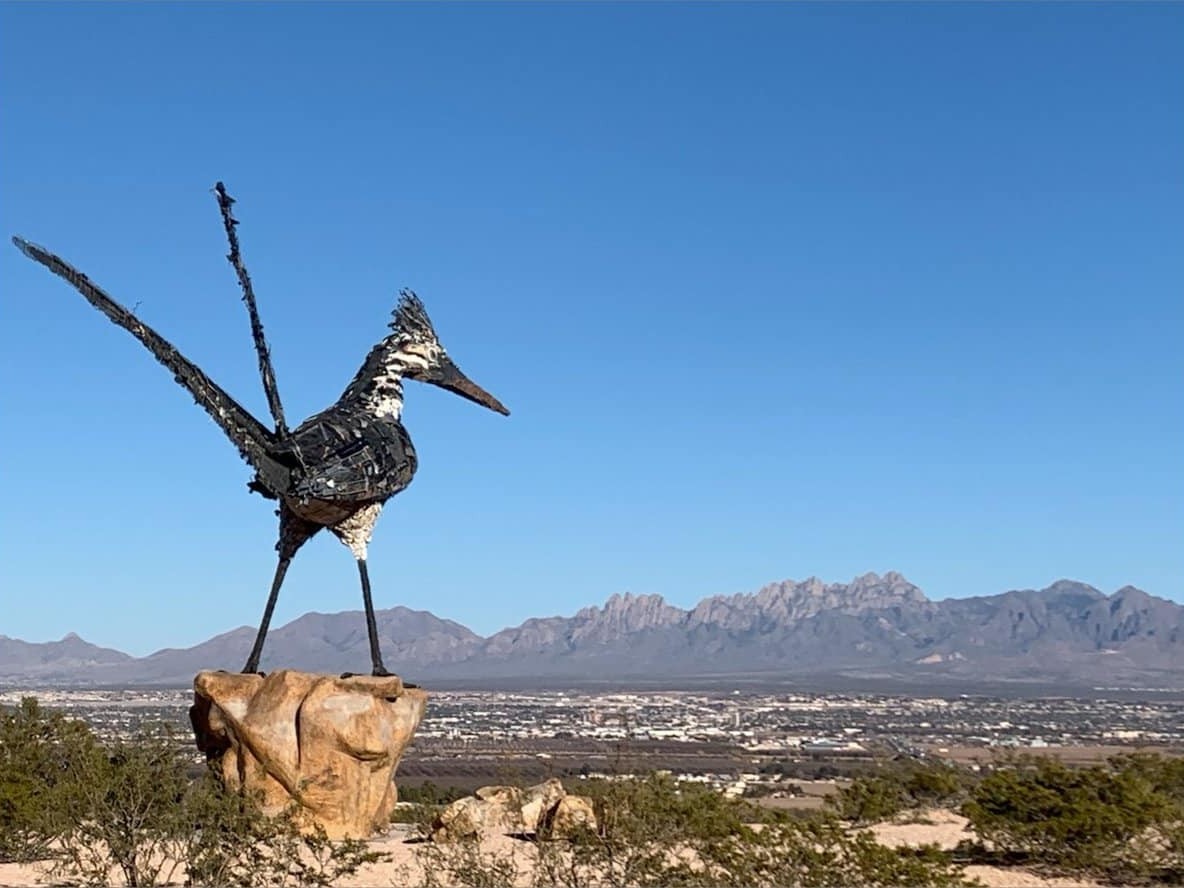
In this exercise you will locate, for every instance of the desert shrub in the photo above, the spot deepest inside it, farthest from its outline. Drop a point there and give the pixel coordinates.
(1115, 821)
(128, 811)
(655, 831)
(1165, 774)
(466, 863)
(869, 799)
(229, 842)
(936, 784)
(821, 853)
(39, 753)
(1166, 777)
(428, 793)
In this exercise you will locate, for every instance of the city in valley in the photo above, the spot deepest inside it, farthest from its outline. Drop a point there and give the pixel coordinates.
(752, 743)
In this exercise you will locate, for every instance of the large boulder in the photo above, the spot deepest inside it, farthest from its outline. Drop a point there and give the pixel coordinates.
(569, 816)
(543, 809)
(329, 744)
(473, 818)
(506, 796)
(538, 800)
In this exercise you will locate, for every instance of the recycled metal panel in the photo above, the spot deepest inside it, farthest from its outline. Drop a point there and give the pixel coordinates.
(351, 457)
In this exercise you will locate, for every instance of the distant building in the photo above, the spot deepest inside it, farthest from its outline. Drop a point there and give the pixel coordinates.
(828, 746)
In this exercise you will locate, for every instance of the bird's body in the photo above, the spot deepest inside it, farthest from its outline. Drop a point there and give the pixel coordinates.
(338, 467)
(345, 459)
(348, 462)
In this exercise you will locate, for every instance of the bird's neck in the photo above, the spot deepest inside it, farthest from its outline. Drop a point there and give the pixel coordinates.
(378, 385)
(383, 396)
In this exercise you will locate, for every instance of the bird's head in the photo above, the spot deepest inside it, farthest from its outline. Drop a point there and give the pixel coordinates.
(420, 355)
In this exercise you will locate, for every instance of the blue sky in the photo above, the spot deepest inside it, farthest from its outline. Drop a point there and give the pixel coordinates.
(772, 291)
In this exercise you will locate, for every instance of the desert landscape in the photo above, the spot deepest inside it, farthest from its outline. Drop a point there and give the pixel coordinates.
(408, 864)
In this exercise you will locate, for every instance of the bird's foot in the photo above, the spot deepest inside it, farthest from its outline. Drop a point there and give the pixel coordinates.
(380, 672)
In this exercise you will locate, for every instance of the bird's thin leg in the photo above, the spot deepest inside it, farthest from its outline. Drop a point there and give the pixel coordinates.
(371, 625)
(294, 533)
(257, 650)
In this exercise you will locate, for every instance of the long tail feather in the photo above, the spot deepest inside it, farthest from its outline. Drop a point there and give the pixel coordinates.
(253, 440)
(270, 388)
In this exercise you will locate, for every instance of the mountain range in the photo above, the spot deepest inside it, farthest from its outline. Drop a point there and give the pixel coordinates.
(875, 627)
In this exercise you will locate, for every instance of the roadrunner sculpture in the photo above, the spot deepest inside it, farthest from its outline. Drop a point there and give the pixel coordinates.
(337, 468)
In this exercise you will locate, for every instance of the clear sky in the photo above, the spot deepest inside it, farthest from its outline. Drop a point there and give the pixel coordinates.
(772, 291)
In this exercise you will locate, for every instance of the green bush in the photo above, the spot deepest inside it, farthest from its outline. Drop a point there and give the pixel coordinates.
(128, 808)
(428, 793)
(870, 799)
(1164, 774)
(1119, 821)
(130, 812)
(39, 754)
(936, 783)
(230, 843)
(656, 831)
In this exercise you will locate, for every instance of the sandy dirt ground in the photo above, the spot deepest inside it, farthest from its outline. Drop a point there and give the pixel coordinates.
(406, 864)
(936, 827)
(946, 829)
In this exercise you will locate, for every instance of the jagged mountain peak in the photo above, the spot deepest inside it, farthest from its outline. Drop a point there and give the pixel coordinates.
(790, 600)
(628, 612)
(1072, 590)
(875, 624)
(627, 600)
(1133, 594)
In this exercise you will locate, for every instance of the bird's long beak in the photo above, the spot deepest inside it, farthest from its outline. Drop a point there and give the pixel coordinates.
(448, 376)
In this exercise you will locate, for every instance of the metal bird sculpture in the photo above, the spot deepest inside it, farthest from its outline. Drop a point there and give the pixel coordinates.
(337, 468)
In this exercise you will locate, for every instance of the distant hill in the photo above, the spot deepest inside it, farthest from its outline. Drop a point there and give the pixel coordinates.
(50, 661)
(873, 627)
(314, 642)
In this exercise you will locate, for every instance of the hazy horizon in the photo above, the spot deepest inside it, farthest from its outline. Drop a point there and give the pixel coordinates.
(565, 614)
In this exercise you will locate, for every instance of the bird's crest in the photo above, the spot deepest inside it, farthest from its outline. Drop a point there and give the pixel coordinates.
(411, 319)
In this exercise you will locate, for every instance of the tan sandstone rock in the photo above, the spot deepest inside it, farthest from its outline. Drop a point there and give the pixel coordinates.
(538, 800)
(330, 744)
(508, 810)
(568, 816)
(474, 818)
(507, 796)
